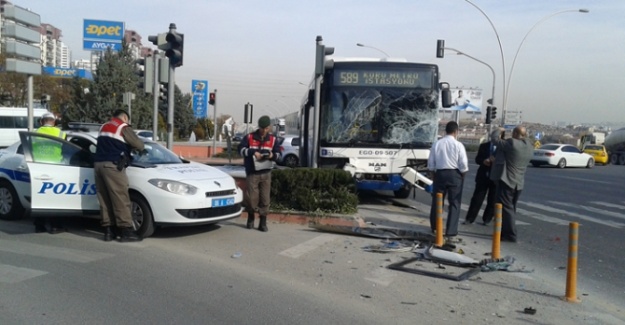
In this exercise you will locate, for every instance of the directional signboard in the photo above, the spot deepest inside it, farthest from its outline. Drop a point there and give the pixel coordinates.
(22, 44)
(99, 35)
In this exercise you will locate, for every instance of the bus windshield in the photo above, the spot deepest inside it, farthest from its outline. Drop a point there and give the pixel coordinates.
(381, 116)
(383, 105)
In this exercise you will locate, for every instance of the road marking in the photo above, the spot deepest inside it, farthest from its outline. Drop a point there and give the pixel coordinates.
(541, 217)
(576, 215)
(308, 246)
(46, 251)
(586, 180)
(14, 274)
(591, 209)
(609, 205)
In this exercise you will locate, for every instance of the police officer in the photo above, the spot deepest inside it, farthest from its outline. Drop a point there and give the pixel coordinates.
(115, 142)
(48, 152)
(259, 150)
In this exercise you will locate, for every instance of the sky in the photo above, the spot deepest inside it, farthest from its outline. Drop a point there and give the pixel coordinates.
(569, 65)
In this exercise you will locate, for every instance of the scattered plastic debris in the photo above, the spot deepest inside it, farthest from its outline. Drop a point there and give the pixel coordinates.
(529, 311)
(365, 296)
(236, 255)
(391, 247)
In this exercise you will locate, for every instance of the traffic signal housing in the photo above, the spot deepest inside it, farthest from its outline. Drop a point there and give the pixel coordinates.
(174, 47)
(488, 112)
(493, 113)
(440, 48)
(212, 98)
(163, 99)
(320, 57)
(146, 74)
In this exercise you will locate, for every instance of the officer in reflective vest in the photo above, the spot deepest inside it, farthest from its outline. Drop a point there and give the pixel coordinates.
(48, 151)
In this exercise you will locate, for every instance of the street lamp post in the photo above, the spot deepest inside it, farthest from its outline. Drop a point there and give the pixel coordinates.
(482, 62)
(375, 48)
(503, 62)
(523, 41)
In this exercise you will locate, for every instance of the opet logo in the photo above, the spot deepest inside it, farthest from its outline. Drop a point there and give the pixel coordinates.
(103, 30)
(63, 72)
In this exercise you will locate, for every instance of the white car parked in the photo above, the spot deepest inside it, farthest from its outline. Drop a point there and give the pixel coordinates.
(164, 189)
(561, 155)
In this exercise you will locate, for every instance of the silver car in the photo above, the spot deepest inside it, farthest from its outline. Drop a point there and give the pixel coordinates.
(289, 146)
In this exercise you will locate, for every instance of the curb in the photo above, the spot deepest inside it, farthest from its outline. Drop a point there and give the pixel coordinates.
(302, 218)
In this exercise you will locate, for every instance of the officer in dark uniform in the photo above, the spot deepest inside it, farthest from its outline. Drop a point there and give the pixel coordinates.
(115, 142)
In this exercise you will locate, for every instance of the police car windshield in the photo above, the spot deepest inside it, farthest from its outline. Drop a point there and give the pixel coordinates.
(156, 154)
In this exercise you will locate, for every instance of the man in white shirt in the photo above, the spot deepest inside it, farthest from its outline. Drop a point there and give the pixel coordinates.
(448, 164)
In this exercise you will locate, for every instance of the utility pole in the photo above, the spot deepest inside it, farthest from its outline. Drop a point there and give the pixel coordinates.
(214, 103)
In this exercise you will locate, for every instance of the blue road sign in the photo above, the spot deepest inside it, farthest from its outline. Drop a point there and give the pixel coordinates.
(200, 98)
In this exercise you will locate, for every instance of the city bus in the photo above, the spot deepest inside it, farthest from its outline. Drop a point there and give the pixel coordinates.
(376, 117)
(15, 119)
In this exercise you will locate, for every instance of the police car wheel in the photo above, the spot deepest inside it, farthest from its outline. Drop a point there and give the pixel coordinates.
(10, 206)
(141, 215)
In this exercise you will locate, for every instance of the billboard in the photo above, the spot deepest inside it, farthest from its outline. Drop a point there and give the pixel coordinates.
(98, 35)
(200, 98)
(466, 99)
(67, 72)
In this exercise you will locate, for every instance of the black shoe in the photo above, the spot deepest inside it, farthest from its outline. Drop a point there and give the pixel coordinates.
(250, 221)
(40, 228)
(129, 235)
(511, 239)
(485, 223)
(108, 234)
(263, 224)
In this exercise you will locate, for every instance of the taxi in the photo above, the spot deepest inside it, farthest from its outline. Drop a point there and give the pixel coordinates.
(165, 190)
(598, 152)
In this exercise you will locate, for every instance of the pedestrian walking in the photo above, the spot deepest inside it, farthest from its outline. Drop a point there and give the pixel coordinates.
(513, 156)
(115, 142)
(448, 164)
(484, 186)
(259, 150)
(48, 151)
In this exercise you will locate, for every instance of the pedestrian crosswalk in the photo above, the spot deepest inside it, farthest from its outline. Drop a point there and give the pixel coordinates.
(608, 214)
(13, 274)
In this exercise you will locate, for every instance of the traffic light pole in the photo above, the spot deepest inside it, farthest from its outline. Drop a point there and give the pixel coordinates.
(155, 92)
(170, 107)
(214, 125)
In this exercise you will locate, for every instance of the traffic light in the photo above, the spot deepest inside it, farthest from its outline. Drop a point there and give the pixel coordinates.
(163, 99)
(146, 74)
(440, 48)
(321, 53)
(212, 98)
(174, 47)
(488, 112)
(493, 113)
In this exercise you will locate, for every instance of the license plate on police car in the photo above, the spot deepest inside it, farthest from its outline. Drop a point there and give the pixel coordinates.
(223, 202)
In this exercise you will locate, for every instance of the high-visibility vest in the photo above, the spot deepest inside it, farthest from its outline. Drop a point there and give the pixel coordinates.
(45, 150)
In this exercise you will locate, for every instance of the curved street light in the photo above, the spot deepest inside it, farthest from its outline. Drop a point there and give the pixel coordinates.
(523, 41)
(375, 48)
(503, 61)
(482, 62)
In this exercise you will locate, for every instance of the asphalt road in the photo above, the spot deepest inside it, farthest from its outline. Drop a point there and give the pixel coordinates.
(552, 198)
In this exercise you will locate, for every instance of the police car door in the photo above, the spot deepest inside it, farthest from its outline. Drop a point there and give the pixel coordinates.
(63, 185)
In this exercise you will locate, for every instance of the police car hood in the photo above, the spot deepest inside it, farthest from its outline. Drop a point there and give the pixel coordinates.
(190, 173)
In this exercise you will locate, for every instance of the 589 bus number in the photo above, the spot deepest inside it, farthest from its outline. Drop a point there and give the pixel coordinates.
(349, 77)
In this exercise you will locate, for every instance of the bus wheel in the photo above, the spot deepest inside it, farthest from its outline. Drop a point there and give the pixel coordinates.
(402, 193)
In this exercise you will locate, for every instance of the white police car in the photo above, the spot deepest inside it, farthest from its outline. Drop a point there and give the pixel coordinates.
(164, 189)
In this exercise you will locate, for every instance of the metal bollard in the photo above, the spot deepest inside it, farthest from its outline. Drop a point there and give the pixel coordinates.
(496, 250)
(571, 269)
(439, 220)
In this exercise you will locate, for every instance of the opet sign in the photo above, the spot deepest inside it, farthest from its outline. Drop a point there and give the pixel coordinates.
(98, 35)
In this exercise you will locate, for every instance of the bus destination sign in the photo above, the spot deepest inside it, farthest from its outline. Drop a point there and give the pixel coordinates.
(380, 78)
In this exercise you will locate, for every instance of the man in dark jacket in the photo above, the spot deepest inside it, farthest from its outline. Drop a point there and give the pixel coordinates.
(484, 186)
(115, 141)
(259, 150)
